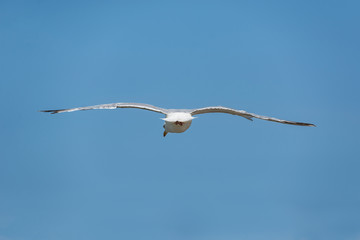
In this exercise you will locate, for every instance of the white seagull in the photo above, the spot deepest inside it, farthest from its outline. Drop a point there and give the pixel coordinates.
(179, 120)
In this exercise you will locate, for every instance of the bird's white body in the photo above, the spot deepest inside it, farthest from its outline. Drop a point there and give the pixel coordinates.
(177, 122)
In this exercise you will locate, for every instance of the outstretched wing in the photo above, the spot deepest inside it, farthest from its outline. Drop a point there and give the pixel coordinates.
(111, 106)
(244, 114)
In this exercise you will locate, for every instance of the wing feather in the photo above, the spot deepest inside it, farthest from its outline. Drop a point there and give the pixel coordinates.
(245, 114)
(111, 106)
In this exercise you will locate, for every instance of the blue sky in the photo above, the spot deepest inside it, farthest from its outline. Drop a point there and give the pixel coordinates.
(111, 174)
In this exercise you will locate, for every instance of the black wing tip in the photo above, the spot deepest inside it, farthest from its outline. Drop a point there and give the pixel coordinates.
(299, 124)
(305, 124)
(52, 111)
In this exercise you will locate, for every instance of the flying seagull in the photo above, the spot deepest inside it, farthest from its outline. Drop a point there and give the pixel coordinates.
(179, 120)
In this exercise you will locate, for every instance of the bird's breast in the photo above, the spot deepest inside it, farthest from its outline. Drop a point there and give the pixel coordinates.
(177, 126)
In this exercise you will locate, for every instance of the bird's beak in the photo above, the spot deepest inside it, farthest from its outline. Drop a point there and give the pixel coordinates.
(165, 132)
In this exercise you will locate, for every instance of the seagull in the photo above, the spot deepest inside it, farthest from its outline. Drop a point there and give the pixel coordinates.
(179, 120)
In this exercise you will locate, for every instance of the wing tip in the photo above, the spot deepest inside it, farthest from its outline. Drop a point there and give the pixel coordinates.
(305, 124)
(52, 111)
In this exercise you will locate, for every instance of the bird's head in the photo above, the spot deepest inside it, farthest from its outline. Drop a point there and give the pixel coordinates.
(177, 122)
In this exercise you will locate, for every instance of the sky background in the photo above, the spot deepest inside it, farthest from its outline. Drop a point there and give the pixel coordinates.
(110, 174)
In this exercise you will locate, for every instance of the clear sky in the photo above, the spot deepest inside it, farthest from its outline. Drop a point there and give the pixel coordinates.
(109, 174)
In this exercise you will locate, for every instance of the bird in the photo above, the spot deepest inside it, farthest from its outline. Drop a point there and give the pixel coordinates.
(179, 120)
